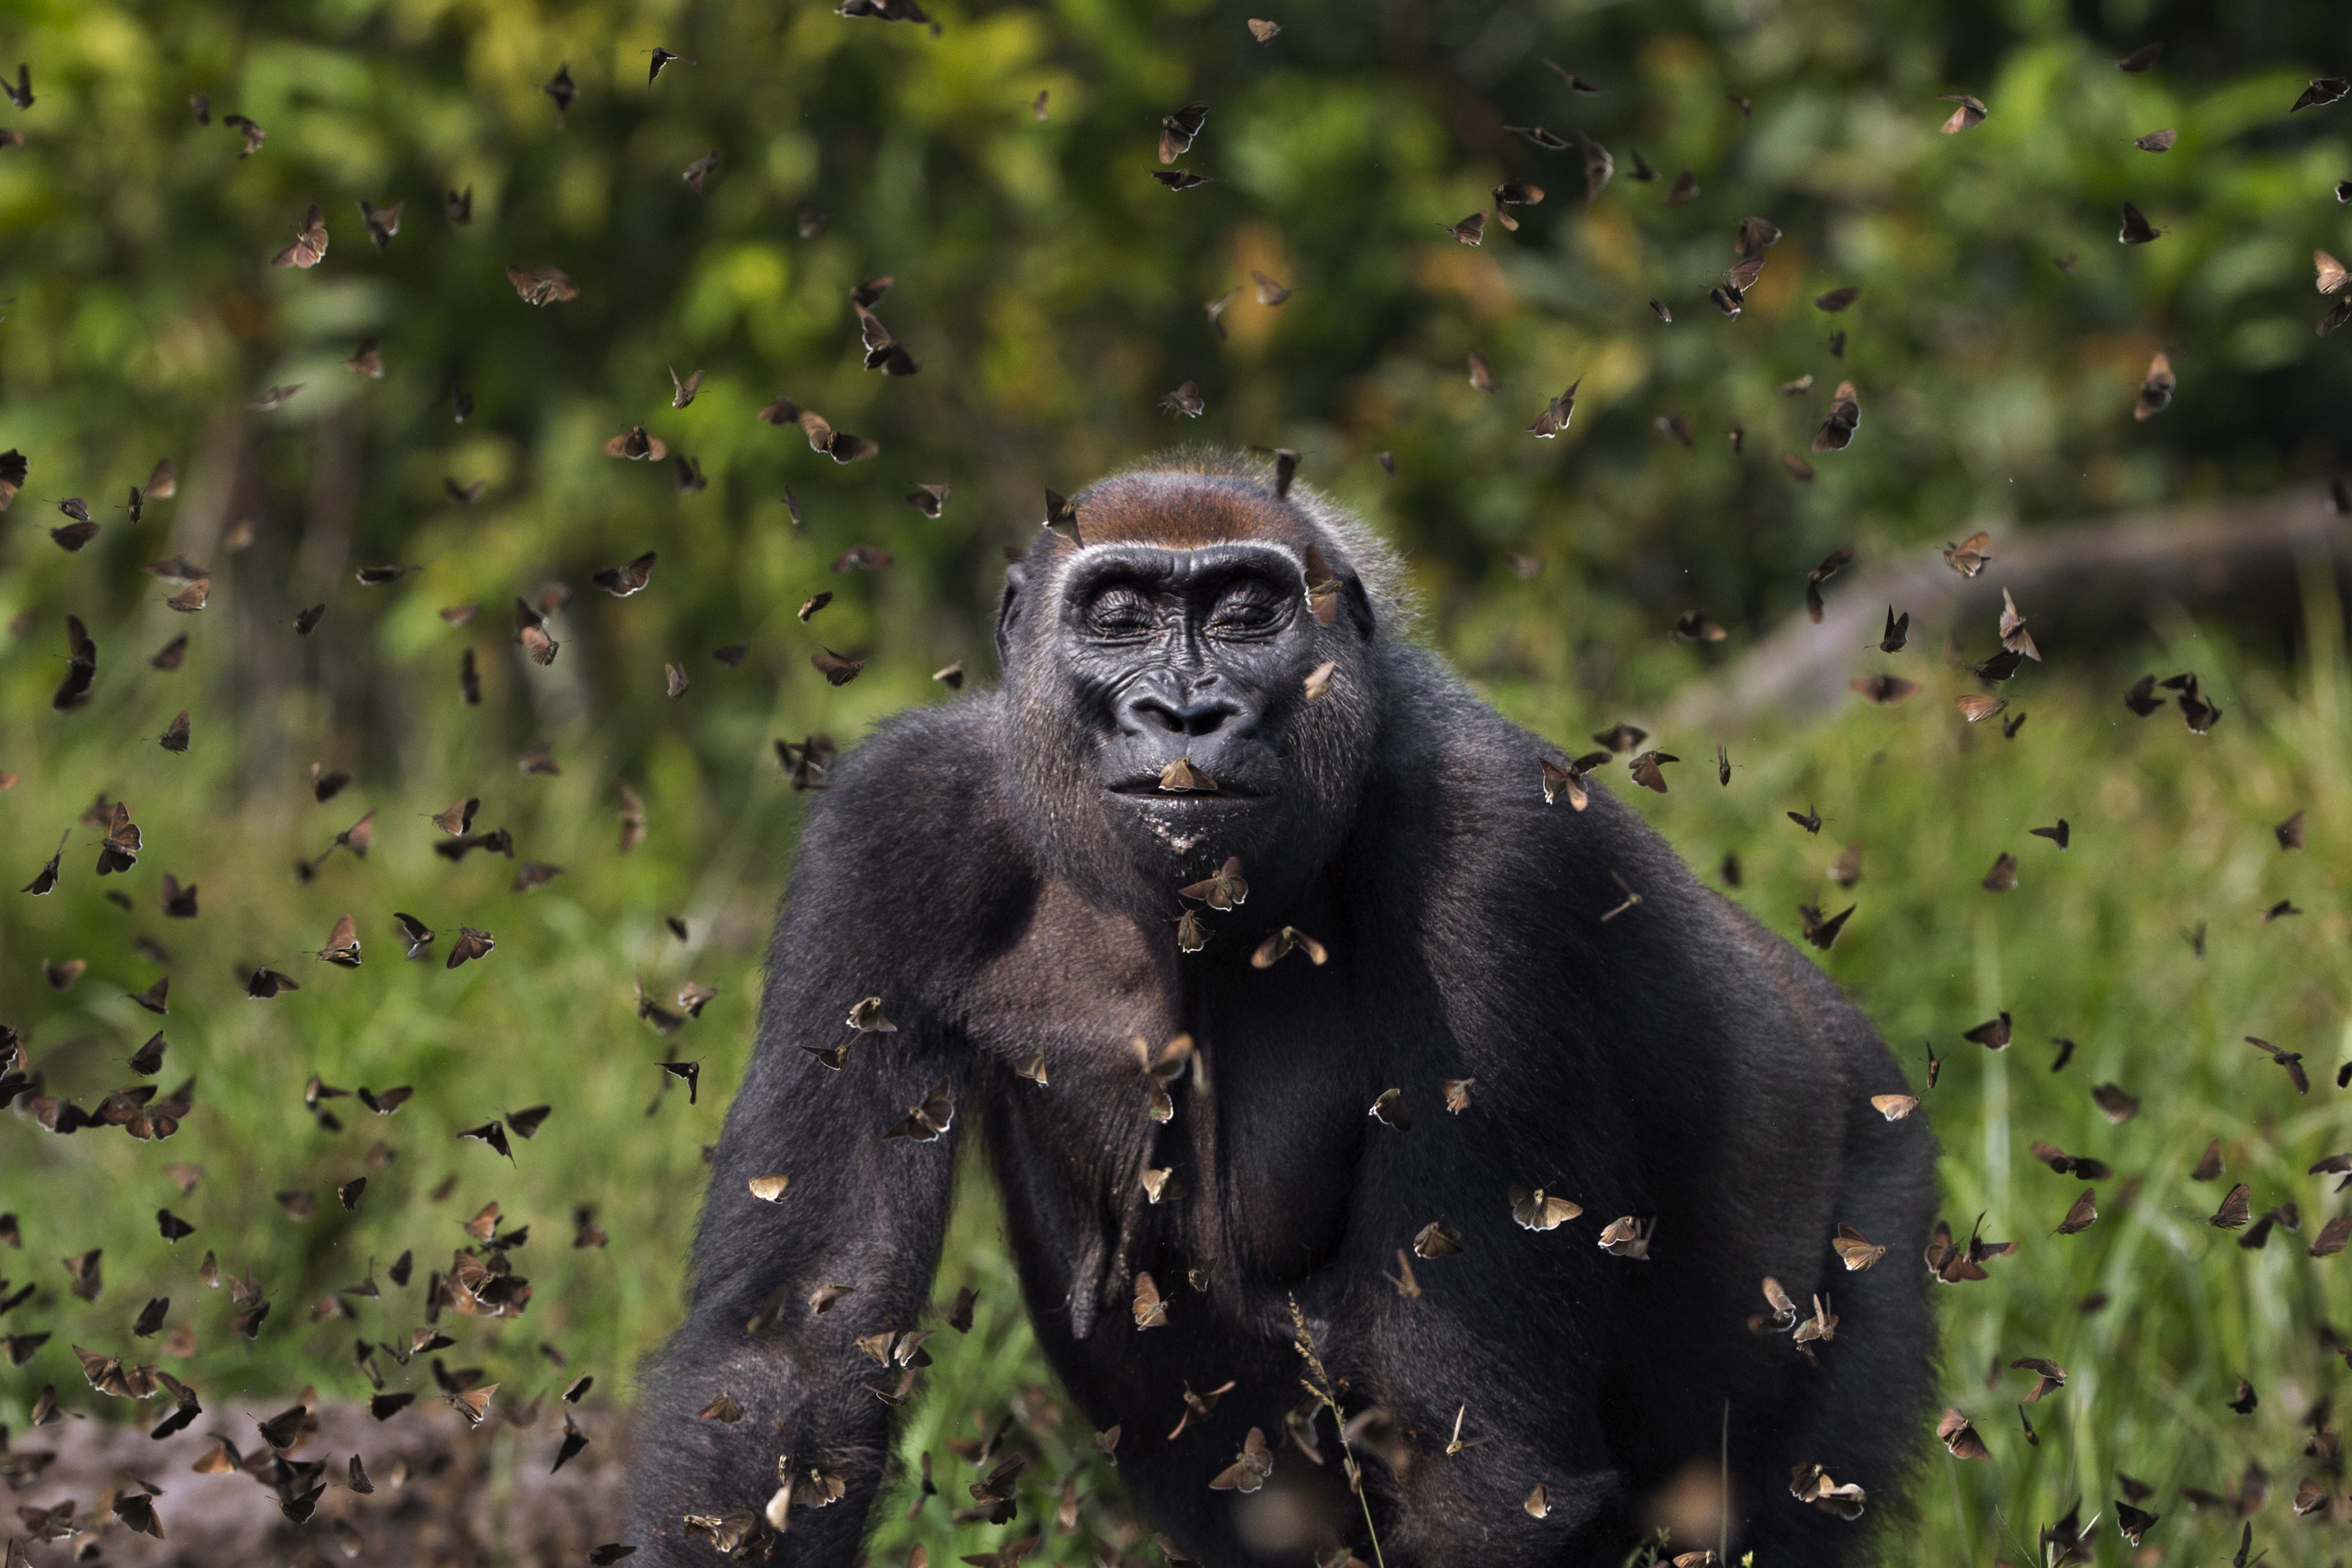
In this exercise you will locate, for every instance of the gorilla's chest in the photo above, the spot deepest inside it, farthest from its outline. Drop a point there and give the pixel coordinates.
(1238, 1164)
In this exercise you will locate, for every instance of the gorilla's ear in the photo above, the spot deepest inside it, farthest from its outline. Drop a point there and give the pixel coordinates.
(1008, 612)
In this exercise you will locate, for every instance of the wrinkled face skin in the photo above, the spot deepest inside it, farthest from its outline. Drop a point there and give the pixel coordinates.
(1124, 654)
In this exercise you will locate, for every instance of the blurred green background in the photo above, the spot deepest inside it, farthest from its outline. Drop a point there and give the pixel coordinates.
(1052, 292)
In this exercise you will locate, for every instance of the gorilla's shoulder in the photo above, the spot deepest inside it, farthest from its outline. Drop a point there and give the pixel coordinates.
(911, 826)
(924, 778)
(1465, 791)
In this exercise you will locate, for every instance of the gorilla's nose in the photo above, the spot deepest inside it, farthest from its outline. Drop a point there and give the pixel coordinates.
(1192, 715)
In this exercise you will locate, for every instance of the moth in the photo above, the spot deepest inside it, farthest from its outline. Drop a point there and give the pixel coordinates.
(1178, 131)
(1225, 890)
(1557, 413)
(542, 285)
(1836, 432)
(1645, 769)
(1822, 930)
(1249, 1469)
(926, 1121)
(1969, 556)
(1282, 943)
(1970, 113)
(309, 247)
(1536, 1210)
(2156, 389)
(621, 581)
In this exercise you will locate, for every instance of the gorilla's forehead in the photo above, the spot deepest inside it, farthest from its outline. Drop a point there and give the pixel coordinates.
(1177, 568)
(1178, 510)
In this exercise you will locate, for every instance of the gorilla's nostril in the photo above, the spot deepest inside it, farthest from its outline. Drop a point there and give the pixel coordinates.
(1158, 716)
(1203, 719)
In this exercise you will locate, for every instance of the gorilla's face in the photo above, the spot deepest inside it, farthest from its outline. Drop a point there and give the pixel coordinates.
(1162, 721)
(1192, 656)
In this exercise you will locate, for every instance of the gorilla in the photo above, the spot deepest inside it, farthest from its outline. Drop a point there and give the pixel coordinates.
(1289, 992)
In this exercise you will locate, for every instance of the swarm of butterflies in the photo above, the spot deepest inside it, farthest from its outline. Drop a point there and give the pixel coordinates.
(480, 1279)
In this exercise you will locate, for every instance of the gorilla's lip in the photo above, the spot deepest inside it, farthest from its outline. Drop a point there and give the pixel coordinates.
(1146, 786)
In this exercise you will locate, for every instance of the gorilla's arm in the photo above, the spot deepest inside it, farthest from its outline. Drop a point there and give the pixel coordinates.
(862, 1211)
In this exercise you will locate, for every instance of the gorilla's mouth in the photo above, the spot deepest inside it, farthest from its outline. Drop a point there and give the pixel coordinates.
(1147, 787)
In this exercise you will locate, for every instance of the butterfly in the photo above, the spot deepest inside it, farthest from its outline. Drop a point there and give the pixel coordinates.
(309, 247)
(543, 286)
(1249, 1469)
(926, 1121)
(1537, 1210)
(1150, 1313)
(342, 948)
(621, 581)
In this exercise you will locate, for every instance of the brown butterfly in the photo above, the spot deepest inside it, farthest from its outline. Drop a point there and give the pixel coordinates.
(621, 581)
(81, 667)
(2235, 1209)
(926, 1121)
(1645, 769)
(1885, 690)
(119, 850)
(1567, 778)
(1627, 1237)
(2290, 1059)
(1976, 708)
(1178, 131)
(1960, 1437)
(1436, 1240)
(1515, 193)
(342, 948)
(1814, 609)
(1969, 556)
(2080, 1215)
(2323, 91)
(2156, 389)
(309, 247)
(470, 945)
(1249, 1469)
(1282, 943)
(473, 1403)
(1557, 413)
(1225, 890)
(1821, 930)
(1836, 432)
(542, 285)
(840, 445)
(1970, 113)
(1537, 1210)
(635, 446)
(1854, 1249)
(1150, 1308)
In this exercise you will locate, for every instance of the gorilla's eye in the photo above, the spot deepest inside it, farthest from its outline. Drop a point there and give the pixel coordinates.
(1122, 614)
(1250, 611)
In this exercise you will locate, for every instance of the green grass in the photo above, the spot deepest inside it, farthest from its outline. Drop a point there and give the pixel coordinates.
(2171, 830)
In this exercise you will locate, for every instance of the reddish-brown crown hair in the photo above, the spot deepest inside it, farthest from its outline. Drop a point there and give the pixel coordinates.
(1182, 510)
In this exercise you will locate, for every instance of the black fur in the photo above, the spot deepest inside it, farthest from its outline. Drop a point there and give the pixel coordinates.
(1678, 1062)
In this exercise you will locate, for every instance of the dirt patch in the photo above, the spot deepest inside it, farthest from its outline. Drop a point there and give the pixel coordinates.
(444, 1497)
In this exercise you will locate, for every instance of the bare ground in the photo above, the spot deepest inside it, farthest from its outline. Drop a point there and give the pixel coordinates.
(444, 1497)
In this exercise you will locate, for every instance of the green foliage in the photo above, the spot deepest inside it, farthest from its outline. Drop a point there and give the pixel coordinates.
(1052, 292)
